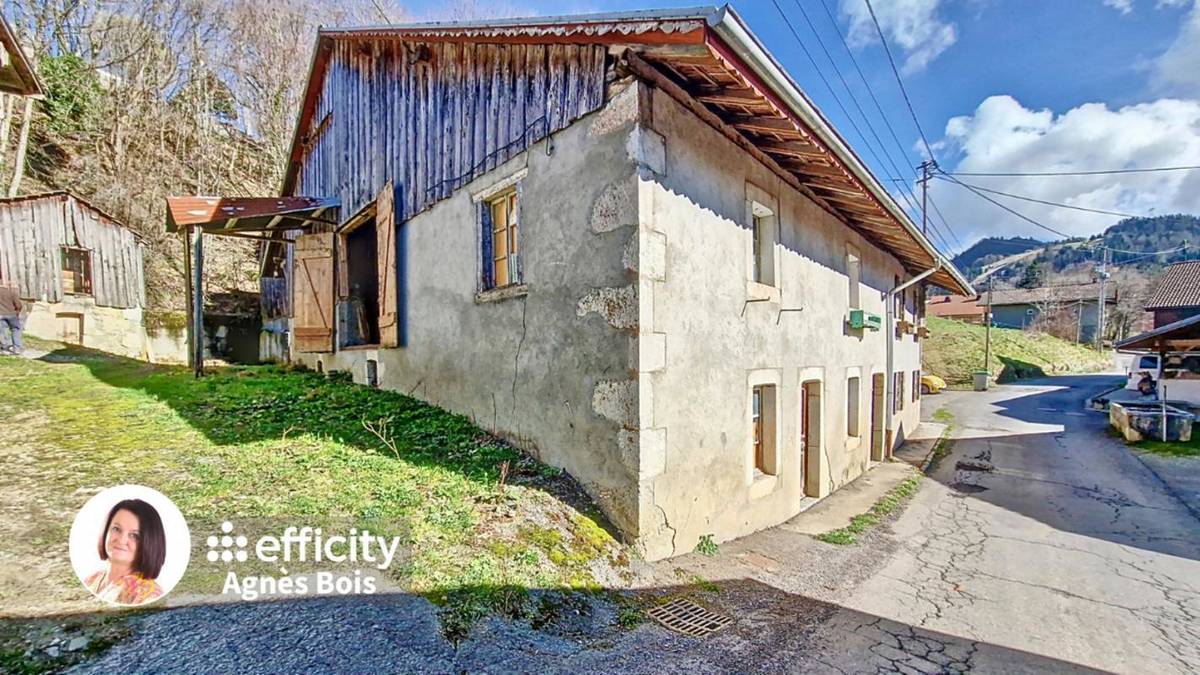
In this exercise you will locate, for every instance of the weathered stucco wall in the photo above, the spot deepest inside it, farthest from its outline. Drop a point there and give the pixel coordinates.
(550, 368)
(704, 346)
(110, 329)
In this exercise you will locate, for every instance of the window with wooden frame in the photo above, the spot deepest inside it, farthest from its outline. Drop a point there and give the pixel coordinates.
(898, 394)
(763, 238)
(501, 240)
(762, 422)
(916, 386)
(77, 270)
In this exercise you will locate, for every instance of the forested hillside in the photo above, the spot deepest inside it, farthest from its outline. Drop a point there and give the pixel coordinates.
(1074, 261)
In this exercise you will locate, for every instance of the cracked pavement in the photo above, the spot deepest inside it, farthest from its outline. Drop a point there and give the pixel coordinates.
(1041, 544)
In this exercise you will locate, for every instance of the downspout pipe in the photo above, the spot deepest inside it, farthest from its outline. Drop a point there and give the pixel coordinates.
(889, 386)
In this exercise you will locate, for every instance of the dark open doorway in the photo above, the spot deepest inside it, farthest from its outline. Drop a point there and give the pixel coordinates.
(360, 294)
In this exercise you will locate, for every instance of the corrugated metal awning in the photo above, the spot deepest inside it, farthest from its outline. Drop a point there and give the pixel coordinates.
(247, 214)
(1180, 336)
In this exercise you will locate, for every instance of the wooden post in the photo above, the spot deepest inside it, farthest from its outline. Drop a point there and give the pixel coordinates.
(197, 318)
(187, 273)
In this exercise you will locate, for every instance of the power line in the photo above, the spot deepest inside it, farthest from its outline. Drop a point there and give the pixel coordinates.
(828, 86)
(1169, 250)
(896, 72)
(1074, 173)
(933, 226)
(1016, 213)
(854, 99)
(861, 76)
(1043, 201)
(938, 211)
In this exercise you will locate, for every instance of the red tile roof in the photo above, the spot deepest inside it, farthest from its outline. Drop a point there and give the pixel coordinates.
(1179, 287)
(950, 306)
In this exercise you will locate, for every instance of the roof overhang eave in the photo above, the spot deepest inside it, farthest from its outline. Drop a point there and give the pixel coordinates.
(732, 30)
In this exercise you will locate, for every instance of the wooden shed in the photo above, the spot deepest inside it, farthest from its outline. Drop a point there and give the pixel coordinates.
(80, 271)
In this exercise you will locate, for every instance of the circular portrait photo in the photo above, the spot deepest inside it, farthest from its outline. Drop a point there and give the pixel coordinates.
(130, 545)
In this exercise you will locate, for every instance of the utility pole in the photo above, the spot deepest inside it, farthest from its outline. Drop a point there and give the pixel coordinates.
(927, 168)
(1102, 272)
(987, 331)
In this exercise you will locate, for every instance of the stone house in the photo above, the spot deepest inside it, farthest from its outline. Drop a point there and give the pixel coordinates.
(627, 243)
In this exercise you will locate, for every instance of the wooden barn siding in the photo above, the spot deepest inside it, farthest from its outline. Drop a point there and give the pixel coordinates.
(33, 232)
(434, 126)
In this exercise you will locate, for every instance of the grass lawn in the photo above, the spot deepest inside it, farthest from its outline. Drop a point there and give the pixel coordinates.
(1174, 448)
(955, 349)
(266, 447)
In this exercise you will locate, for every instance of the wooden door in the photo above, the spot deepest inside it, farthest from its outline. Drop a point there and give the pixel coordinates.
(810, 436)
(385, 250)
(877, 409)
(312, 326)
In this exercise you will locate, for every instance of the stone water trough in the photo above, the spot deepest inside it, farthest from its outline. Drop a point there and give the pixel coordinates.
(1138, 421)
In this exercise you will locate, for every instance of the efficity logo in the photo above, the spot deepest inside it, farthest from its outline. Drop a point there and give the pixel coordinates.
(311, 547)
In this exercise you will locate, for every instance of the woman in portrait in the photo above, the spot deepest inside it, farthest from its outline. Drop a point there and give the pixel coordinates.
(133, 546)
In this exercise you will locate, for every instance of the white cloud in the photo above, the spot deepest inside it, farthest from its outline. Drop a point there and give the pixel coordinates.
(912, 25)
(1122, 6)
(1177, 71)
(1004, 136)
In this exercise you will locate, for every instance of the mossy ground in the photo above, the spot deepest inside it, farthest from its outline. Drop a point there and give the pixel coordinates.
(863, 522)
(272, 446)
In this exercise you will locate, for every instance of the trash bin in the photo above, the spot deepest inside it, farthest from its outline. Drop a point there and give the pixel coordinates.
(981, 380)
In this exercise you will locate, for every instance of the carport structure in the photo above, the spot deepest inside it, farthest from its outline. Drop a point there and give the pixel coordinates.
(265, 219)
(1180, 336)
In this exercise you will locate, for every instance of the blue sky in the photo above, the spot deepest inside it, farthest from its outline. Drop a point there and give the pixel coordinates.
(1001, 85)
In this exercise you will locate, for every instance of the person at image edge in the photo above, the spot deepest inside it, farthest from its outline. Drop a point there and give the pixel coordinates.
(134, 547)
(10, 317)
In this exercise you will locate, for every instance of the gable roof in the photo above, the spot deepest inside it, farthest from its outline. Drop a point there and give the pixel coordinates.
(708, 60)
(1064, 293)
(64, 194)
(1179, 287)
(17, 75)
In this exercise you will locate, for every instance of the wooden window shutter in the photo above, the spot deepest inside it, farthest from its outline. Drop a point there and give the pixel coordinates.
(385, 232)
(487, 280)
(313, 323)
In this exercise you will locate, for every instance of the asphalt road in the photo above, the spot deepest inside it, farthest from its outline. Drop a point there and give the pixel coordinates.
(1039, 544)
(1042, 544)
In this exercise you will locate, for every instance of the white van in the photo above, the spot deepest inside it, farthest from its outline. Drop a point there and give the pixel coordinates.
(1180, 374)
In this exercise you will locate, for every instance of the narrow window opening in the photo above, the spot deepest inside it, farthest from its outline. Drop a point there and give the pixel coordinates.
(77, 270)
(763, 235)
(764, 428)
(853, 425)
(502, 239)
(854, 273)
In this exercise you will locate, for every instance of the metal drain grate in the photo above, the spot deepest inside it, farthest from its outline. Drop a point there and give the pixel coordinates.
(685, 616)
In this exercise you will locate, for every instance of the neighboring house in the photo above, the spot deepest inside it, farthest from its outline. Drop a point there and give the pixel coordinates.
(958, 307)
(81, 273)
(1177, 296)
(1072, 310)
(626, 243)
